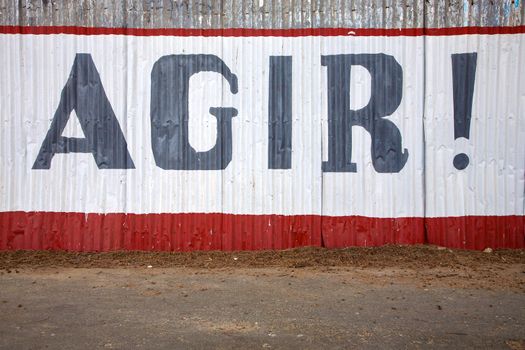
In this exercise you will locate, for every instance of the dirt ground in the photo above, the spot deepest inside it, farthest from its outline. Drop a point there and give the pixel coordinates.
(311, 298)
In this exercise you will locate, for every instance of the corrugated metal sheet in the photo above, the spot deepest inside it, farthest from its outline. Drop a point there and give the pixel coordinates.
(272, 149)
(280, 14)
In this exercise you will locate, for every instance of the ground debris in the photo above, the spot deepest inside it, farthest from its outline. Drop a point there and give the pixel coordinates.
(418, 256)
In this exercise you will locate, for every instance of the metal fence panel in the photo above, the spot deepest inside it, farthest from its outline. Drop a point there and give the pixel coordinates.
(236, 124)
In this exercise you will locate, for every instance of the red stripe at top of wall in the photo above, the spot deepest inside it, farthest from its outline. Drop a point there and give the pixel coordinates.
(251, 32)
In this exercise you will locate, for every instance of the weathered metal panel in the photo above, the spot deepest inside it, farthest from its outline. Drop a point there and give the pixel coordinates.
(474, 140)
(274, 14)
(330, 123)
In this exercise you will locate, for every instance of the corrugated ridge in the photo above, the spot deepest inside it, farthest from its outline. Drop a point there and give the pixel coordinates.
(276, 14)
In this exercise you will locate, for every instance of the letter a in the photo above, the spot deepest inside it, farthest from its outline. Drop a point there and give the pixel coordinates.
(85, 94)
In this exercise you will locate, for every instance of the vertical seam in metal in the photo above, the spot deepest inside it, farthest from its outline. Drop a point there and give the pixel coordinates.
(423, 121)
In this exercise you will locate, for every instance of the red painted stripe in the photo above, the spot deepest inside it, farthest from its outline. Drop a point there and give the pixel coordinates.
(170, 232)
(477, 232)
(251, 32)
(348, 231)
(186, 232)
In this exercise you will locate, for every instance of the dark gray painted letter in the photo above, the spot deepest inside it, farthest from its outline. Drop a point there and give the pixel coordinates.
(280, 113)
(463, 76)
(170, 80)
(387, 87)
(85, 94)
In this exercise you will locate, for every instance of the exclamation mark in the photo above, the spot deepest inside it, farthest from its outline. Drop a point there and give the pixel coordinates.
(463, 76)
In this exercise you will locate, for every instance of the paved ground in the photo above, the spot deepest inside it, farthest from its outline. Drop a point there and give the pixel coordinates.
(251, 308)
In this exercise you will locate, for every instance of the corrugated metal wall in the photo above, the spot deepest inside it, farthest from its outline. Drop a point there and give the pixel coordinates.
(276, 14)
(266, 198)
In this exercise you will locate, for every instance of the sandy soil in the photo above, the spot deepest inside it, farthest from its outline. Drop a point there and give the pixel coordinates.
(390, 297)
(423, 265)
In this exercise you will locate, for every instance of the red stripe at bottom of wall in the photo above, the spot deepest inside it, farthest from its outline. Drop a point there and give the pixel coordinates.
(477, 232)
(214, 231)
